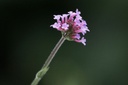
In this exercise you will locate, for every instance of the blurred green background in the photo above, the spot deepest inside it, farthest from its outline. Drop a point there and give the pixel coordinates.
(27, 40)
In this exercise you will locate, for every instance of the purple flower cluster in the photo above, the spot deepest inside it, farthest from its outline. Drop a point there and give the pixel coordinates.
(72, 25)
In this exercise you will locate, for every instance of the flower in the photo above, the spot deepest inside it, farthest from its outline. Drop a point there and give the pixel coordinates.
(72, 26)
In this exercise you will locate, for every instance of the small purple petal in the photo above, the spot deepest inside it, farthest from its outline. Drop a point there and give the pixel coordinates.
(77, 22)
(70, 12)
(81, 30)
(78, 17)
(82, 41)
(84, 22)
(84, 29)
(57, 17)
(56, 25)
(78, 12)
(65, 26)
(87, 29)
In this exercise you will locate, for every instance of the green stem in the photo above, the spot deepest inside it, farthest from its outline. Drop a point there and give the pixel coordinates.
(45, 67)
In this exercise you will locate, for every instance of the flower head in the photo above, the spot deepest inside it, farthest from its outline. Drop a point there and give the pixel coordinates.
(72, 26)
